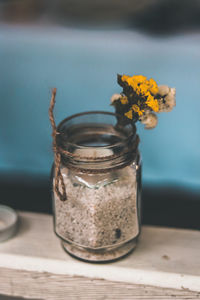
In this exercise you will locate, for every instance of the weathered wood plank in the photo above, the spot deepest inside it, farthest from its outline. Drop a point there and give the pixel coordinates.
(34, 265)
(35, 285)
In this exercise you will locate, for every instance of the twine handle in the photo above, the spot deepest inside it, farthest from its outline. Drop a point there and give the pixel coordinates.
(57, 156)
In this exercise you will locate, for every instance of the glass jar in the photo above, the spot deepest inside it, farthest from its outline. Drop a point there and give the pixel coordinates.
(100, 219)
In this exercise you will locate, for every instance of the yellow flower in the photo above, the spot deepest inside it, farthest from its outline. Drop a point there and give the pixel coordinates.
(140, 84)
(152, 103)
(139, 78)
(134, 81)
(153, 86)
(125, 77)
(124, 100)
(145, 89)
(136, 109)
(142, 98)
(130, 81)
(129, 114)
(142, 89)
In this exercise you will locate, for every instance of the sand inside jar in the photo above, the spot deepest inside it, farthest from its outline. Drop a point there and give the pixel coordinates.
(101, 209)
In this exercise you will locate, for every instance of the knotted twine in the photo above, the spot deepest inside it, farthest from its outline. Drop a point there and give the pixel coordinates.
(62, 195)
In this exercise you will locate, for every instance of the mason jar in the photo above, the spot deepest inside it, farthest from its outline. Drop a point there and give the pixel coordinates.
(100, 217)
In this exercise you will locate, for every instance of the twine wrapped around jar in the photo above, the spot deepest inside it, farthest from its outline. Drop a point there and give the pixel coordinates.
(57, 155)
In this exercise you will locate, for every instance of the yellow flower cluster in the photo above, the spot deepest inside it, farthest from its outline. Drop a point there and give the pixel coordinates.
(141, 99)
(144, 88)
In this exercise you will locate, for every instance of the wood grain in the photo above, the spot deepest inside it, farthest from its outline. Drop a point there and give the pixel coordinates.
(35, 285)
(165, 265)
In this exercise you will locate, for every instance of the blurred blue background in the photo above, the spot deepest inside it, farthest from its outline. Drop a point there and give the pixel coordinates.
(79, 47)
(83, 64)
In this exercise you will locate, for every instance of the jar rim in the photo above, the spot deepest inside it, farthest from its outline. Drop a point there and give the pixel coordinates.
(99, 112)
(93, 158)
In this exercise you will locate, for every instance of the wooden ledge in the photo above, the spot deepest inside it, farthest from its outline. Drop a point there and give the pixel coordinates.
(165, 263)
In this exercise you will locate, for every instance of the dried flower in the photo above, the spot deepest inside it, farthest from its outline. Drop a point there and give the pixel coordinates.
(136, 109)
(168, 101)
(140, 98)
(163, 90)
(129, 114)
(124, 100)
(114, 98)
(150, 120)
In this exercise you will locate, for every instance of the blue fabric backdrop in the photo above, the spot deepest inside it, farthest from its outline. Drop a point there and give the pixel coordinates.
(83, 64)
